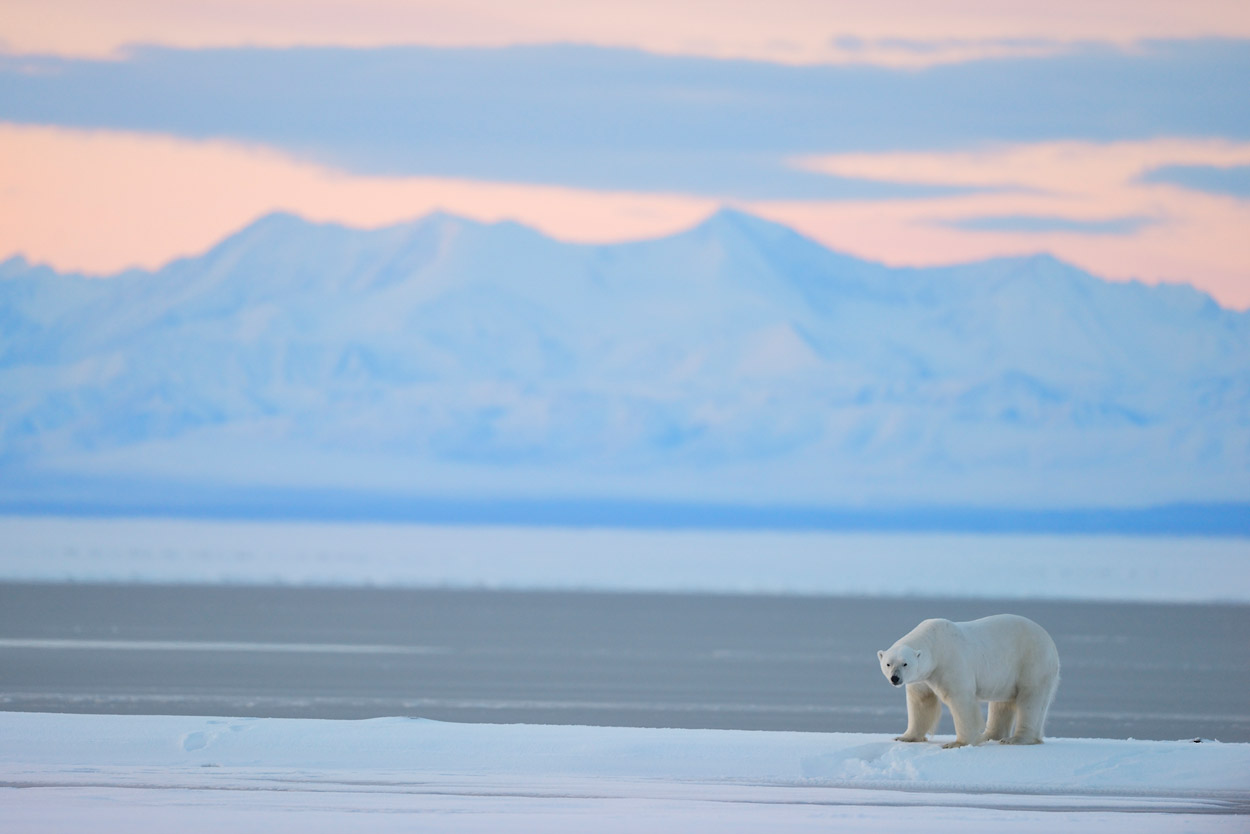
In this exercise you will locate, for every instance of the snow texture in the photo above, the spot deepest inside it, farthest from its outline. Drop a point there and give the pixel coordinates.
(735, 362)
(1157, 569)
(126, 773)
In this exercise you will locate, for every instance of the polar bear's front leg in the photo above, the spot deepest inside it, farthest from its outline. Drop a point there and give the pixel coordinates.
(923, 711)
(967, 715)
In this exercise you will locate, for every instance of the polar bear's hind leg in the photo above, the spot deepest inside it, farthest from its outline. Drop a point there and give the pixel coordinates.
(1031, 708)
(1002, 717)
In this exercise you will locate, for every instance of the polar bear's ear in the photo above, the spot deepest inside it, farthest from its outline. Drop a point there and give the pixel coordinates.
(880, 654)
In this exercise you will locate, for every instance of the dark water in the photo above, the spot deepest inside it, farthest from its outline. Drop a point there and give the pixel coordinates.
(657, 660)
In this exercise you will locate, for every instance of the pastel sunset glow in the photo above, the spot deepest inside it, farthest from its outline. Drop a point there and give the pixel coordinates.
(61, 204)
(912, 32)
(1093, 205)
(1112, 135)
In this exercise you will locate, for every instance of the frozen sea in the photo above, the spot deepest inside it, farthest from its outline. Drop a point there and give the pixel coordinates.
(800, 563)
(727, 661)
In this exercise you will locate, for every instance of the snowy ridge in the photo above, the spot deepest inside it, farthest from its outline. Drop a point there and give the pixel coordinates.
(61, 770)
(734, 362)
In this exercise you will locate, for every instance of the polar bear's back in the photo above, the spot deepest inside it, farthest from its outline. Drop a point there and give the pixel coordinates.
(999, 633)
(1013, 627)
(1014, 640)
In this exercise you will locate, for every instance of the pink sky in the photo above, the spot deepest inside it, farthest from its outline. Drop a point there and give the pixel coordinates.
(796, 31)
(99, 201)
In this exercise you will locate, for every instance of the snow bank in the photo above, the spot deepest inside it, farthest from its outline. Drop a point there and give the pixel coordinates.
(879, 564)
(192, 773)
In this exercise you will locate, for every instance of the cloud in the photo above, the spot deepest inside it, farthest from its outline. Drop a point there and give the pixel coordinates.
(1076, 171)
(1040, 224)
(919, 52)
(1087, 202)
(139, 159)
(1232, 180)
(592, 118)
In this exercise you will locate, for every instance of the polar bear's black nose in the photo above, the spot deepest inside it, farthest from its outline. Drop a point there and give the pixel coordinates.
(894, 679)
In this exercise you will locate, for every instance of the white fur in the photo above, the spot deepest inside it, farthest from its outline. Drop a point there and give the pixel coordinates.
(1007, 660)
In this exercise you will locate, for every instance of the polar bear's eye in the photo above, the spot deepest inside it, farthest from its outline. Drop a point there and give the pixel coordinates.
(904, 665)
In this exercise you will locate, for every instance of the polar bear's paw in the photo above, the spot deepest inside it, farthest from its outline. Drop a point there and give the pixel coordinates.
(909, 738)
(1022, 740)
(951, 745)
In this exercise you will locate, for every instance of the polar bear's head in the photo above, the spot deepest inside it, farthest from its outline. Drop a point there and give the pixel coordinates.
(902, 664)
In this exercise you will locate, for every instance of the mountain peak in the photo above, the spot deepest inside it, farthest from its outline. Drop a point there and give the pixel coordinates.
(20, 267)
(786, 251)
(279, 223)
(268, 229)
(732, 221)
(441, 219)
(738, 360)
(14, 265)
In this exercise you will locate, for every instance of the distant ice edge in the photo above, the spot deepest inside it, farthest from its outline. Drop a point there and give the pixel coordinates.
(951, 565)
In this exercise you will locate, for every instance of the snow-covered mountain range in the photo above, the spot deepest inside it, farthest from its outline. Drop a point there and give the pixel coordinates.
(737, 363)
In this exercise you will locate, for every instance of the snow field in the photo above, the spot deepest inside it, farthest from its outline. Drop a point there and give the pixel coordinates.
(128, 773)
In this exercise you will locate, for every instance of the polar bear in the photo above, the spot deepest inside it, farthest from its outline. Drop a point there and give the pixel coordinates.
(1007, 660)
